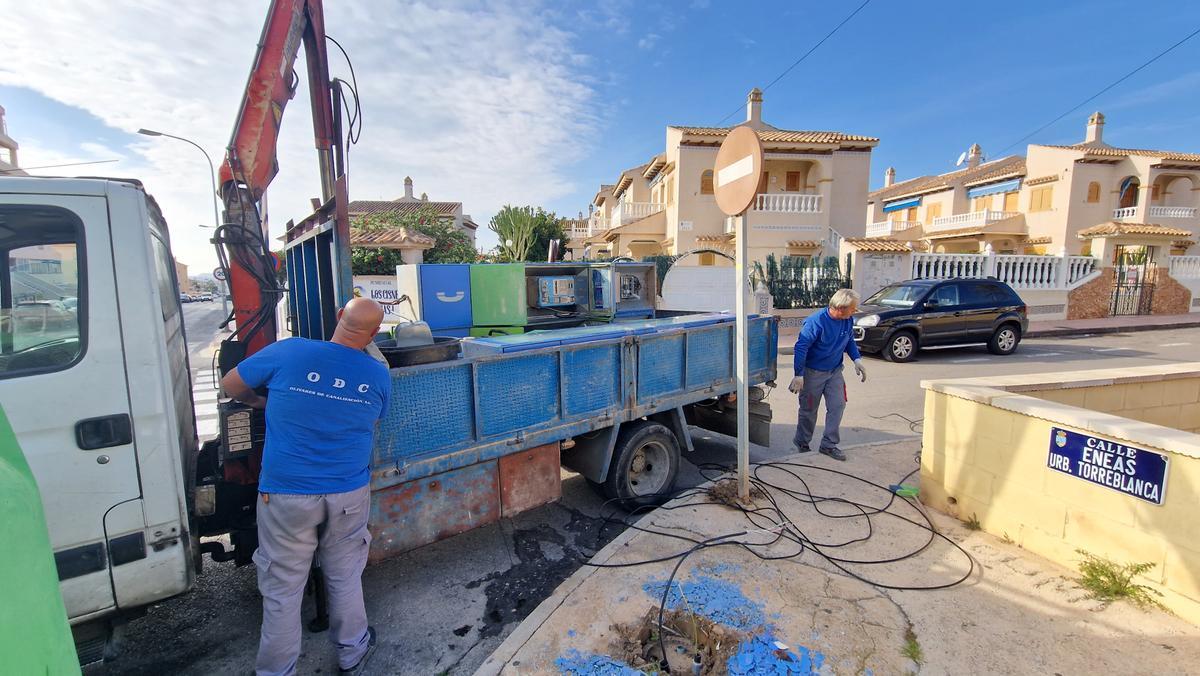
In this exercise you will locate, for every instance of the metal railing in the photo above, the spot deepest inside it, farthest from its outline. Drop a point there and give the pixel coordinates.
(975, 218)
(1122, 214)
(628, 212)
(1172, 212)
(788, 203)
(1018, 271)
(1184, 267)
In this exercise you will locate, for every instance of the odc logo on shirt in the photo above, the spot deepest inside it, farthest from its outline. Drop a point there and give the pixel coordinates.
(338, 383)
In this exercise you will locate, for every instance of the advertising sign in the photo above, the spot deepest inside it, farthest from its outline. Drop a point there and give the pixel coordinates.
(382, 288)
(1129, 470)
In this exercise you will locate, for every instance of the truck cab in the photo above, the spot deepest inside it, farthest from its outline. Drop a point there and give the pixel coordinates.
(99, 394)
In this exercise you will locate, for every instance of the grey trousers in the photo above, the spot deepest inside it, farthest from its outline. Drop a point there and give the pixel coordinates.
(817, 384)
(291, 528)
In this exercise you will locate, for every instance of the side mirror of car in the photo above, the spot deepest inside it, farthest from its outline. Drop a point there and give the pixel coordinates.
(931, 303)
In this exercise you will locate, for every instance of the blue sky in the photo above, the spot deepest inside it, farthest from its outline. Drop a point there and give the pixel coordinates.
(532, 102)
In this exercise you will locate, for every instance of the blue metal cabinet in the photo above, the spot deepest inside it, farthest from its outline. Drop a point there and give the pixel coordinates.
(440, 293)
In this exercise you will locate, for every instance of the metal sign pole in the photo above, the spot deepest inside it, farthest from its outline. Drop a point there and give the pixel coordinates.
(743, 361)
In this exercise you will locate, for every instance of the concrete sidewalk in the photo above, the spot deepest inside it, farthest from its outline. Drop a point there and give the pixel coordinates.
(814, 613)
(1071, 327)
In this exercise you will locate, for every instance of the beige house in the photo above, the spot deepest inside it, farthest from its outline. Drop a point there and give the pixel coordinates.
(451, 211)
(1077, 199)
(810, 196)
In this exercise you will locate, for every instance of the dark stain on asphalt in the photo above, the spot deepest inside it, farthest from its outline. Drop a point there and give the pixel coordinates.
(462, 631)
(545, 558)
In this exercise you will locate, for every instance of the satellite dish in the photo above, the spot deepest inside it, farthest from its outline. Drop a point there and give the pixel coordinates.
(961, 158)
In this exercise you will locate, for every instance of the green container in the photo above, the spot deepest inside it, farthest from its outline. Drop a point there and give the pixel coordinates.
(498, 295)
(32, 601)
(489, 331)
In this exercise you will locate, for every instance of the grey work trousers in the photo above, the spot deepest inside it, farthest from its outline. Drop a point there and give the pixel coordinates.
(291, 528)
(817, 384)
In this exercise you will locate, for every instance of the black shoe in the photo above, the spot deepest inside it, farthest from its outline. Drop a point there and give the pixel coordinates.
(357, 669)
(835, 453)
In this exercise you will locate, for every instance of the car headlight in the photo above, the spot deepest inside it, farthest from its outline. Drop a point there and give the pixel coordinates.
(868, 321)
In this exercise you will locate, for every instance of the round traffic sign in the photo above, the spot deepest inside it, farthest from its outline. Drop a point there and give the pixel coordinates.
(737, 169)
(219, 274)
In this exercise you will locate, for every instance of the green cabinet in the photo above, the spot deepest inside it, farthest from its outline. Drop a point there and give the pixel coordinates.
(498, 295)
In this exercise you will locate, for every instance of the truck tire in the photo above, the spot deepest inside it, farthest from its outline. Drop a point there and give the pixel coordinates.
(645, 462)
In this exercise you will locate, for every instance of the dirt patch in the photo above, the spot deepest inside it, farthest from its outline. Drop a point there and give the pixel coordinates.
(685, 637)
(725, 492)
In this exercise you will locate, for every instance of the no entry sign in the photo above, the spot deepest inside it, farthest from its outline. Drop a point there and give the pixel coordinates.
(736, 171)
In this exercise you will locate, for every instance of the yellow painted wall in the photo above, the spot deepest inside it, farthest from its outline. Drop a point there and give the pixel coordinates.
(1170, 403)
(985, 461)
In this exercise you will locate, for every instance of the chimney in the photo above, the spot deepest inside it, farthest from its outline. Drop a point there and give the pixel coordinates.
(889, 177)
(754, 108)
(1095, 128)
(424, 197)
(974, 156)
(408, 187)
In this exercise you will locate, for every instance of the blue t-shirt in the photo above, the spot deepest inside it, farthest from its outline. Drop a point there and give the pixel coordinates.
(322, 407)
(822, 342)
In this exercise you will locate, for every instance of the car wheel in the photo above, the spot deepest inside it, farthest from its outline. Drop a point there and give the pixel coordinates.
(645, 462)
(1005, 340)
(901, 347)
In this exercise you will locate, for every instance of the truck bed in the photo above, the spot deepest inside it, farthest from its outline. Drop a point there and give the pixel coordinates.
(442, 449)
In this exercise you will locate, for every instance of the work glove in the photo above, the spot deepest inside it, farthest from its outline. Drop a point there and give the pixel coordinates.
(796, 385)
(860, 370)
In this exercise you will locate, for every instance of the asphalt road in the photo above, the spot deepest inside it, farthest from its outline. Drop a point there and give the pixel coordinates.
(443, 608)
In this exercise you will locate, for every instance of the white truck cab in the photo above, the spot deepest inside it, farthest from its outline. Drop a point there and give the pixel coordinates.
(96, 385)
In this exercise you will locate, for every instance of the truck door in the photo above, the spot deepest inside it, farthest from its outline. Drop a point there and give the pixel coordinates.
(62, 381)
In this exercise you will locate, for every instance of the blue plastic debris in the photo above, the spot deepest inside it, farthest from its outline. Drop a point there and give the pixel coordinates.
(575, 663)
(762, 654)
(571, 633)
(719, 601)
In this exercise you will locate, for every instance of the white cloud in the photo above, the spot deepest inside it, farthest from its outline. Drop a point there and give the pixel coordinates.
(648, 41)
(478, 103)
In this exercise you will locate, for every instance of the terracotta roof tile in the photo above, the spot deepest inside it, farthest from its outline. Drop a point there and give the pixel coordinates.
(390, 238)
(372, 207)
(877, 245)
(1105, 150)
(995, 170)
(1117, 228)
(772, 135)
(1039, 240)
(804, 244)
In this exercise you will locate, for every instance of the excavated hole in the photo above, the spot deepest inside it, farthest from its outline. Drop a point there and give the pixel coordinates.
(684, 636)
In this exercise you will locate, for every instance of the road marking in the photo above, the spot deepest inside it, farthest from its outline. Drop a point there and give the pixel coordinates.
(1174, 344)
(1110, 349)
(740, 169)
(1049, 354)
(968, 361)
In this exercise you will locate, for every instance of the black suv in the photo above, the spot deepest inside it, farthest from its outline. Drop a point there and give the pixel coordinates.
(900, 319)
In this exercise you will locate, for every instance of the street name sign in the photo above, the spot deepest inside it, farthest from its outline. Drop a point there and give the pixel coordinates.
(1125, 469)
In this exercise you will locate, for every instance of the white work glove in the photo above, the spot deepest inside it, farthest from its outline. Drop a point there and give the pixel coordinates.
(796, 385)
(860, 370)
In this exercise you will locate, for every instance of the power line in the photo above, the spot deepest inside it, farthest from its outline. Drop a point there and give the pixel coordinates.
(804, 56)
(1102, 91)
(55, 166)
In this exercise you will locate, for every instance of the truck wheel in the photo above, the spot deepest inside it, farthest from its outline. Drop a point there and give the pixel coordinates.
(645, 462)
(901, 347)
(1005, 339)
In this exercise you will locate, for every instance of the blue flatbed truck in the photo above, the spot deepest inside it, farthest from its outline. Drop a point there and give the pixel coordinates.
(476, 438)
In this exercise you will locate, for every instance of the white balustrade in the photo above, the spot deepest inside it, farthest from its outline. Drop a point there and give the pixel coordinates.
(973, 219)
(1184, 267)
(885, 228)
(628, 212)
(1122, 214)
(1172, 212)
(1018, 271)
(788, 203)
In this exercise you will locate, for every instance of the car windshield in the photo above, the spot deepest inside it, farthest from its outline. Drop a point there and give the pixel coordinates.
(899, 295)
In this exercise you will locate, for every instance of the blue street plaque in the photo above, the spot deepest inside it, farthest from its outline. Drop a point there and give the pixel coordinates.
(1129, 470)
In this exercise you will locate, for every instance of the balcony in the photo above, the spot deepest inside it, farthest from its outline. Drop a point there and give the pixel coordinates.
(1170, 212)
(788, 203)
(972, 220)
(1124, 214)
(886, 228)
(628, 212)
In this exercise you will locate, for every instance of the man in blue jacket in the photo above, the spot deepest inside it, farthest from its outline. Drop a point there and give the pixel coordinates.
(826, 336)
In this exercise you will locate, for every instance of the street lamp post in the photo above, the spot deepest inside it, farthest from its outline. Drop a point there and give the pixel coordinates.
(212, 175)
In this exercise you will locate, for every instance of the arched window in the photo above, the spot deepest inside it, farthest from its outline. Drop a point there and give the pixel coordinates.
(1093, 194)
(706, 182)
(1129, 193)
